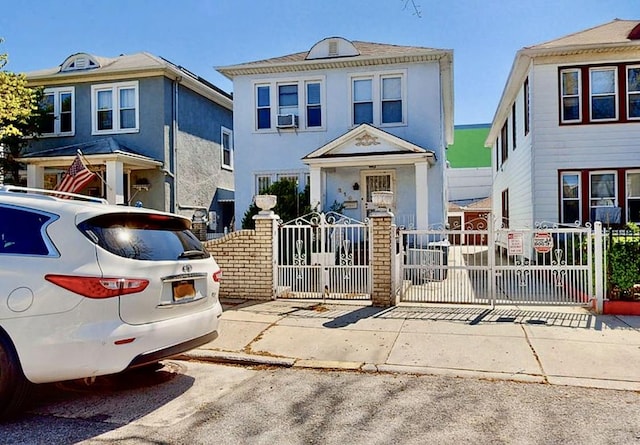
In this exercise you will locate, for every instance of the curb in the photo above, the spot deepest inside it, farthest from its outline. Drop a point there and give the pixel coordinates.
(236, 358)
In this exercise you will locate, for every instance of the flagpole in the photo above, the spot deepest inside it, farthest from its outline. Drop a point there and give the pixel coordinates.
(86, 161)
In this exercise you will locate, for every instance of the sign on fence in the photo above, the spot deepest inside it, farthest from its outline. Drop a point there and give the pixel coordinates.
(515, 243)
(542, 242)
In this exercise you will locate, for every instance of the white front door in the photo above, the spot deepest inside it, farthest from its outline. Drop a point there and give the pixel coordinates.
(376, 181)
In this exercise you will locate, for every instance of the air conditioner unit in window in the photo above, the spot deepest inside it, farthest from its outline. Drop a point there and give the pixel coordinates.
(287, 121)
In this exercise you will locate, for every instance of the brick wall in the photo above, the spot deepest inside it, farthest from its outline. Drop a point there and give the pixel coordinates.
(246, 260)
(382, 245)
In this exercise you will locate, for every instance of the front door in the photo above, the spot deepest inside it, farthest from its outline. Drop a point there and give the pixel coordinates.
(376, 181)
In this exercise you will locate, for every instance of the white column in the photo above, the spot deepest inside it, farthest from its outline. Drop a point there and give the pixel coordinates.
(315, 189)
(35, 176)
(422, 195)
(115, 183)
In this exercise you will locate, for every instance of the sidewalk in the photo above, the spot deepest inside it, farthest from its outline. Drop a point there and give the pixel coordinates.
(559, 345)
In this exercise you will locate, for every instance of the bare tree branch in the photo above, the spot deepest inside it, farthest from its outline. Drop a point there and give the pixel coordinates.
(416, 8)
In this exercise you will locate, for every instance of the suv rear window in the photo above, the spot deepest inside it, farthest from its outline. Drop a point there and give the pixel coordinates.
(144, 236)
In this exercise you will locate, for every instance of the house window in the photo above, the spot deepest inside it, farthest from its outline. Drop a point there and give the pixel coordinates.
(391, 100)
(602, 189)
(570, 197)
(633, 196)
(514, 134)
(504, 205)
(115, 108)
(59, 116)
(276, 102)
(526, 106)
(362, 101)
(570, 86)
(263, 182)
(633, 92)
(504, 142)
(227, 148)
(288, 99)
(288, 177)
(263, 99)
(314, 106)
(603, 91)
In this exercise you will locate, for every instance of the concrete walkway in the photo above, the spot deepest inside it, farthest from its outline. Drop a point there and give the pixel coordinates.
(559, 345)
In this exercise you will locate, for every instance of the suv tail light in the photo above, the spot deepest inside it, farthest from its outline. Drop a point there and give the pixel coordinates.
(217, 275)
(98, 287)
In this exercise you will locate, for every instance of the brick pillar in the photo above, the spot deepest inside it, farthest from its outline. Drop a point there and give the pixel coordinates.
(266, 225)
(382, 245)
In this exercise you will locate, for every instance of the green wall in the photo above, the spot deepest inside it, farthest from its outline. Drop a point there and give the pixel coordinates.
(468, 150)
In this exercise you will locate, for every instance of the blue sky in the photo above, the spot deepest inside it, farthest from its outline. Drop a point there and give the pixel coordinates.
(203, 34)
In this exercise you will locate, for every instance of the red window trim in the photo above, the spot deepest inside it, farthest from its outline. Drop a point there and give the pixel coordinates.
(585, 97)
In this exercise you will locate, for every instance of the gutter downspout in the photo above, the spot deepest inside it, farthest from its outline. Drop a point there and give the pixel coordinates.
(174, 144)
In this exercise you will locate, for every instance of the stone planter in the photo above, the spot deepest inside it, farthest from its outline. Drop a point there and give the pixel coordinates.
(382, 200)
(265, 203)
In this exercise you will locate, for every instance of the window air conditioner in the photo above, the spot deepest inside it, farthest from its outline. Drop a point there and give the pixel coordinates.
(287, 121)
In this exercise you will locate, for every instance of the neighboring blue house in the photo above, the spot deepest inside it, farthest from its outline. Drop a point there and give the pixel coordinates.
(347, 118)
(153, 131)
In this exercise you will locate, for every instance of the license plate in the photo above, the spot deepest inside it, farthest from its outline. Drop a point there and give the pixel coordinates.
(183, 290)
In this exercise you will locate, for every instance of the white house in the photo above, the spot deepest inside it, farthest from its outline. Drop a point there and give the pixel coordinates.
(566, 133)
(347, 118)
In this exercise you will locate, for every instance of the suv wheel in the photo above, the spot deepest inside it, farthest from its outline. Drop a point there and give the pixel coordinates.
(13, 385)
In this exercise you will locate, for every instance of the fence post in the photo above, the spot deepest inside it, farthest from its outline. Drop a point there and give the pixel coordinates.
(599, 267)
(382, 250)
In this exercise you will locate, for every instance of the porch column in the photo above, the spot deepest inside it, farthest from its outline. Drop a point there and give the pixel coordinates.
(35, 176)
(315, 189)
(422, 195)
(115, 182)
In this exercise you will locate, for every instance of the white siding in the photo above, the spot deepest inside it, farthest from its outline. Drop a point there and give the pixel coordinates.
(557, 147)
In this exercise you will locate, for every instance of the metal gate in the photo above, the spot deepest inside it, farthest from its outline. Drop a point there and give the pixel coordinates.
(323, 255)
(549, 264)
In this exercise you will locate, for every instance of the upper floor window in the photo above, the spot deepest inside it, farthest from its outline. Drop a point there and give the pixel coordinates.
(600, 94)
(378, 99)
(288, 99)
(58, 107)
(115, 108)
(514, 134)
(504, 142)
(362, 101)
(391, 100)
(570, 92)
(526, 106)
(263, 106)
(289, 104)
(314, 106)
(227, 148)
(633, 92)
(603, 90)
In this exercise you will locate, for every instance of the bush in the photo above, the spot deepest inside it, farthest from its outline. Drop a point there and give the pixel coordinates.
(623, 261)
(290, 205)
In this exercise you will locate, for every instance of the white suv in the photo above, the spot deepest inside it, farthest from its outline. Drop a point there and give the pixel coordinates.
(88, 288)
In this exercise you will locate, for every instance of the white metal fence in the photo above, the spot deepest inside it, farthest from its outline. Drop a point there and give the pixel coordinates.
(323, 255)
(549, 264)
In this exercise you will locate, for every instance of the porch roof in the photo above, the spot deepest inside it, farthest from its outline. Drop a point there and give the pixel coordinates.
(367, 145)
(99, 150)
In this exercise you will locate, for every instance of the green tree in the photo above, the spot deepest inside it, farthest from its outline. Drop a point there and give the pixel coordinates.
(290, 203)
(20, 116)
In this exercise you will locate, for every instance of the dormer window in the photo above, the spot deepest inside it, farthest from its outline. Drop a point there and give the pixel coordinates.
(81, 61)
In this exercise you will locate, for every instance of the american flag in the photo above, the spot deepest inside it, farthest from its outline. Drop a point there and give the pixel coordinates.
(76, 178)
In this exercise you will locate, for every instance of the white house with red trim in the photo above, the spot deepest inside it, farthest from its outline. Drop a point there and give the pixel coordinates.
(347, 118)
(566, 133)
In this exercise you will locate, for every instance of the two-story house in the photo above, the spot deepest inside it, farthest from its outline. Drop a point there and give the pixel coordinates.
(566, 133)
(154, 133)
(347, 118)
